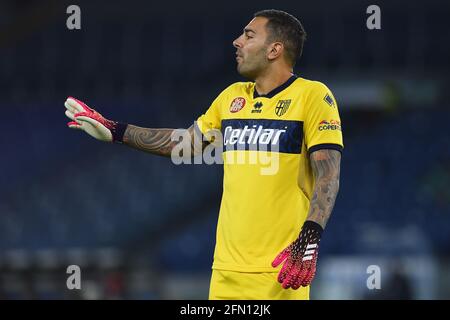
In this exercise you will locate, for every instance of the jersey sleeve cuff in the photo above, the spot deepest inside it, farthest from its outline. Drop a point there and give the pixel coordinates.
(333, 146)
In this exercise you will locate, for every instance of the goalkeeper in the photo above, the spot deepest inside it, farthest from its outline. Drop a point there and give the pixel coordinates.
(270, 223)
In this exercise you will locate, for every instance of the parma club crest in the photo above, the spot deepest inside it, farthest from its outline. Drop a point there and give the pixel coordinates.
(282, 107)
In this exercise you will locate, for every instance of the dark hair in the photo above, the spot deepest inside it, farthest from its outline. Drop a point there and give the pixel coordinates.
(286, 28)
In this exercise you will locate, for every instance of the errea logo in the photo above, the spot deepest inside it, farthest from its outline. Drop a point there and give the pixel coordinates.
(257, 107)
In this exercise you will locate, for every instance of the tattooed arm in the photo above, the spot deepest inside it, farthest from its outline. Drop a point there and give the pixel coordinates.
(159, 141)
(326, 168)
(156, 141)
(300, 257)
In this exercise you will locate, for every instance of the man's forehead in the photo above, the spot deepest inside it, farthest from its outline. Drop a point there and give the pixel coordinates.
(256, 25)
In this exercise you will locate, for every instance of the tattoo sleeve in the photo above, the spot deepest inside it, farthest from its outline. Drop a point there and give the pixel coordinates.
(326, 169)
(158, 141)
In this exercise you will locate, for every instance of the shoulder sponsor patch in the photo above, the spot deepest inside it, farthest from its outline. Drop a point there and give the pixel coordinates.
(325, 125)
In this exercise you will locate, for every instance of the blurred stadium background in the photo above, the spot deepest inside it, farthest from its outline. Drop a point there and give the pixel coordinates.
(141, 227)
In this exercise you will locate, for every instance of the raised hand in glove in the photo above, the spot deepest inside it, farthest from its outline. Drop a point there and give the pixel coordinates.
(92, 122)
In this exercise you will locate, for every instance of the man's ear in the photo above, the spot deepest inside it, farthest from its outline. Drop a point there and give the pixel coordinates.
(275, 50)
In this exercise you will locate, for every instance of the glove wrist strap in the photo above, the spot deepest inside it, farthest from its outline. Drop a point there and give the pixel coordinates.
(311, 225)
(118, 132)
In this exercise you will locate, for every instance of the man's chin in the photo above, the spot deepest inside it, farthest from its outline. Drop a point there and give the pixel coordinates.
(245, 73)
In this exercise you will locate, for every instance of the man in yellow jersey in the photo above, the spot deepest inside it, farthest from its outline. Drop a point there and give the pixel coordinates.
(281, 137)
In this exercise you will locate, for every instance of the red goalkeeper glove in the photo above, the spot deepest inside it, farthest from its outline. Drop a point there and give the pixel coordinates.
(92, 122)
(300, 258)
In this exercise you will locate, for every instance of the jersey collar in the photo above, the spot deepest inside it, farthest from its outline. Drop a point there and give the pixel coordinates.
(276, 90)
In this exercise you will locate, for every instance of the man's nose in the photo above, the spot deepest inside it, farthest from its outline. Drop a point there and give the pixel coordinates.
(237, 43)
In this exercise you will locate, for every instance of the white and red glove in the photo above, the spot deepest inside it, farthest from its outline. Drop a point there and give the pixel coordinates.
(300, 258)
(92, 122)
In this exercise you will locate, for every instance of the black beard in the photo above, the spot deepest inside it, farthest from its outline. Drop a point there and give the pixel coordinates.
(248, 74)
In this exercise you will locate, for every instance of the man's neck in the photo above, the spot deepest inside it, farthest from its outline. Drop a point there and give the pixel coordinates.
(269, 81)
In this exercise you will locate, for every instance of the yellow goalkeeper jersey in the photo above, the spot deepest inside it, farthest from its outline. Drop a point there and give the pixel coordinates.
(268, 180)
